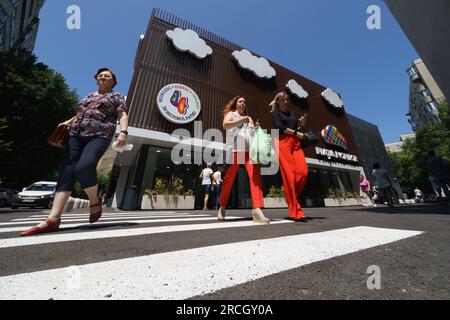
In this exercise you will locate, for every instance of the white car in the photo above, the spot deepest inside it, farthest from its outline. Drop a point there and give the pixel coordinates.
(39, 194)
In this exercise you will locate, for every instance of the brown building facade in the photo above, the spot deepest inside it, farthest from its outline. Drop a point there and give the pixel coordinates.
(216, 79)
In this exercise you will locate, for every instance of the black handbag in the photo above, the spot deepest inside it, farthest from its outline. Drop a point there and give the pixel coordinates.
(310, 139)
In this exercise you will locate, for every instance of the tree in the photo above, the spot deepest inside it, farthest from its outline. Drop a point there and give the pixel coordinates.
(4, 145)
(34, 100)
(410, 162)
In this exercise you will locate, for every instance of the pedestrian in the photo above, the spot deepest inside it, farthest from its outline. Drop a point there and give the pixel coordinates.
(91, 132)
(217, 182)
(419, 195)
(384, 183)
(206, 176)
(240, 127)
(294, 170)
(440, 173)
(366, 189)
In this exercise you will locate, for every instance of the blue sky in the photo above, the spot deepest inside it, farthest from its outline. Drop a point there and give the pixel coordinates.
(326, 41)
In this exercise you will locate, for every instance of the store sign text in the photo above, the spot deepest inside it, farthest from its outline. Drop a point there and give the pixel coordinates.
(336, 155)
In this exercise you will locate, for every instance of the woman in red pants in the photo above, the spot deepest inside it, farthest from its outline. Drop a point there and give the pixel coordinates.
(290, 154)
(240, 127)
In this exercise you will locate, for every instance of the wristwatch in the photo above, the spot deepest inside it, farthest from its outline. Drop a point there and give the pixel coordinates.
(124, 131)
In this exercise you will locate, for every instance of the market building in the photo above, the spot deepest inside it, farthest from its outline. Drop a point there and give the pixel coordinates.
(183, 77)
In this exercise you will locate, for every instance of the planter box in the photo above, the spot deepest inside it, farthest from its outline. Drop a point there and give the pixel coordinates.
(275, 203)
(333, 202)
(167, 202)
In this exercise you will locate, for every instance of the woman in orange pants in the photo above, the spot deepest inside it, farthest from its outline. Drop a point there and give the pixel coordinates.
(290, 154)
(239, 128)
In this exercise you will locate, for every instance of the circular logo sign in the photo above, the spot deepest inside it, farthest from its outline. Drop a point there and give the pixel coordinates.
(178, 103)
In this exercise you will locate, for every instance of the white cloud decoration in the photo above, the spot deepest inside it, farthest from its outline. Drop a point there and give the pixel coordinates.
(258, 65)
(333, 98)
(297, 89)
(188, 40)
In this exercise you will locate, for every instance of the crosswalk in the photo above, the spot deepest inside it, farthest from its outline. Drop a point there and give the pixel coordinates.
(173, 274)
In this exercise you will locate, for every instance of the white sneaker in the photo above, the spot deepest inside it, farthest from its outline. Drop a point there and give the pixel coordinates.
(258, 216)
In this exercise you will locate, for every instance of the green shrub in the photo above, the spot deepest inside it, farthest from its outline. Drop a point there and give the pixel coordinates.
(275, 192)
(165, 187)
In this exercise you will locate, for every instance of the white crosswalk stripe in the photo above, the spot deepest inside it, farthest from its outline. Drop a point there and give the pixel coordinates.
(174, 274)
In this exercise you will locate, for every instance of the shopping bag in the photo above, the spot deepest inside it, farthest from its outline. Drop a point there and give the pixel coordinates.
(261, 149)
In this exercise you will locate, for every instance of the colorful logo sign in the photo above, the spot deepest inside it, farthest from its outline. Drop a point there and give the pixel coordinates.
(331, 135)
(178, 103)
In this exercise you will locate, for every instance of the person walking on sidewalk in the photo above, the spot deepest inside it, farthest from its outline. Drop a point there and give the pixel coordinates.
(240, 127)
(365, 188)
(419, 195)
(294, 170)
(91, 132)
(440, 173)
(384, 183)
(217, 183)
(206, 176)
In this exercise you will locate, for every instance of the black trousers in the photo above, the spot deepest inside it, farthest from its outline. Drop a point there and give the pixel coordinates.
(80, 159)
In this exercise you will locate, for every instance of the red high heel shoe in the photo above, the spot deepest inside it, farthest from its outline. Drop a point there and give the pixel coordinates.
(93, 217)
(52, 226)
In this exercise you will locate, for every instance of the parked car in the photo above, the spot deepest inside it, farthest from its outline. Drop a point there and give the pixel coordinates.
(6, 196)
(39, 194)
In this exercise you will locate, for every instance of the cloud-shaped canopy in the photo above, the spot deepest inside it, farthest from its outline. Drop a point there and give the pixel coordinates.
(297, 89)
(188, 40)
(258, 65)
(333, 98)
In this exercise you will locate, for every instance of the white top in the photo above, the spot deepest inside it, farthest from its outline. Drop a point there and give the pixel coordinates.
(217, 177)
(235, 136)
(206, 175)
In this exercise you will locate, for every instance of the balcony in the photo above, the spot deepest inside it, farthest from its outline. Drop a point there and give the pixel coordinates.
(428, 99)
(415, 78)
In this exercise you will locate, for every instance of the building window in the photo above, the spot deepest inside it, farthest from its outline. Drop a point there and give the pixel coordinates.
(426, 93)
(3, 15)
(431, 106)
(2, 38)
(412, 71)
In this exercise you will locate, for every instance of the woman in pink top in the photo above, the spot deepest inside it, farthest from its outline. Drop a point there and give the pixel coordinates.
(365, 187)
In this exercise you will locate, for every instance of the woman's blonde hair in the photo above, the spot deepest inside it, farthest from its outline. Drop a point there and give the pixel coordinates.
(274, 103)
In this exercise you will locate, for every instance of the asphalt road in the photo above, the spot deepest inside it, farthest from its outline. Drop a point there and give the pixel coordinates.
(189, 255)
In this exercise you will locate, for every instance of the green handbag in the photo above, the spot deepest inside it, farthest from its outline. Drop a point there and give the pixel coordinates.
(261, 149)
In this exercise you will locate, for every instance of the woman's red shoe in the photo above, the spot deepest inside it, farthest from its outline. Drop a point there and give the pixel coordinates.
(96, 215)
(52, 226)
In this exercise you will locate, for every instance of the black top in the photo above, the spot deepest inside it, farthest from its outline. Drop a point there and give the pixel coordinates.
(284, 120)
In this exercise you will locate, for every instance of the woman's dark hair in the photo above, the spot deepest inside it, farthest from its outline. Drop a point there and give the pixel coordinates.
(376, 165)
(110, 71)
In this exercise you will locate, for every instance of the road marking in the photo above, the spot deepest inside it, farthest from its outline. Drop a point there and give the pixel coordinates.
(86, 214)
(60, 237)
(188, 273)
(136, 221)
(65, 219)
(80, 218)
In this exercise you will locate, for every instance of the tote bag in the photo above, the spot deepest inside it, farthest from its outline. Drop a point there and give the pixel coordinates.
(261, 149)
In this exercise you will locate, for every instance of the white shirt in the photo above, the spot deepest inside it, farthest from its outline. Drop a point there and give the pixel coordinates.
(206, 175)
(235, 141)
(217, 177)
